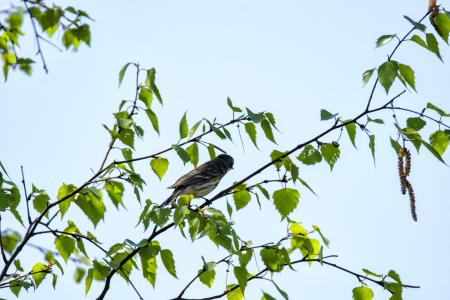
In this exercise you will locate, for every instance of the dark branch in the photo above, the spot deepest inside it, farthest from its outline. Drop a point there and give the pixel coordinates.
(390, 57)
(27, 197)
(37, 36)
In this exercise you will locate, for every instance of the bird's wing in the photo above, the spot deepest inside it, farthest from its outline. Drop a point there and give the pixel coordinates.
(199, 174)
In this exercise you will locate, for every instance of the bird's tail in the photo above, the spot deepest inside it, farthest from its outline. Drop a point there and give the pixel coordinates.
(172, 197)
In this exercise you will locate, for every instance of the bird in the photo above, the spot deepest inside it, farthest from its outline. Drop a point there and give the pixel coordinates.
(202, 180)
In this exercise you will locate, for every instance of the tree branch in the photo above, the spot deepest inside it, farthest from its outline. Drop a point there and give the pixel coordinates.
(229, 189)
(304, 259)
(1, 242)
(37, 36)
(27, 197)
(390, 57)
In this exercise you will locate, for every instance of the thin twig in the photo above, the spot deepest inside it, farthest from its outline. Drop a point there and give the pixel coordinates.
(27, 197)
(36, 34)
(1, 242)
(421, 115)
(230, 188)
(390, 57)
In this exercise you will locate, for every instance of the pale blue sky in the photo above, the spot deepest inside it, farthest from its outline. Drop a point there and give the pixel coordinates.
(288, 57)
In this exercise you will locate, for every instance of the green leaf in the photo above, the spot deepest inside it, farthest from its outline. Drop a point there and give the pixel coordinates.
(351, 131)
(241, 197)
(153, 119)
(368, 272)
(245, 256)
(433, 45)
(362, 293)
(396, 146)
(324, 239)
(90, 201)
(415, 123)
(121, 75)
(39, 271)
(148, 263)
(408, 74)
(241, 275)
(233, 108)
(115, 192)
(433, 151)
(194, 129)
(372, 146)
(159, 165)
(310, 155)
(265, 125)
(418, 40)
(413, 136)
(63, 192)
(283, 293)
(271, 119)
(367, 75)
(394, 276)
(416, 25)
(18, 265)
(286, 200)
(192, 150)
(437, 109)
(384, 39)
(40, 202)
(442, 21)
(160, 216)
(65, 246)
(256, 118)
(235, 292)
(387, 73)
(263, 191)
(184, 128)
(250, 128)
(150, 81)
(146, 96)
(88, 281)
(330, 153)
(180, 213)
(217, 131)
(211, 151)
(439, 140)
(169, 263)
(378, 121)
(182, 153)
(126, 136)
(207, 277)
(79, 274)
(266, 296)
(326, 115)
(272, 259)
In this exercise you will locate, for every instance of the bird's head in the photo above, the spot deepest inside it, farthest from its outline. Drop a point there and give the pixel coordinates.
(227, 159)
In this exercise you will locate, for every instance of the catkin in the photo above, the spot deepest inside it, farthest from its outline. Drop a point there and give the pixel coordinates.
(431, 5)
(401, 172)
(412, 200)
(407, 156)
(404, 169)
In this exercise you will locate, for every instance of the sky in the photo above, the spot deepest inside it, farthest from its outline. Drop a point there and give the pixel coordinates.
(291, 58)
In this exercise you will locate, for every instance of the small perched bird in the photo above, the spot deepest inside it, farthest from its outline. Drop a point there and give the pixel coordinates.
(202, 180)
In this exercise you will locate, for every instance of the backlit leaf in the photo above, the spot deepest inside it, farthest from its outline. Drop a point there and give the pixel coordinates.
(384, 39)
(184, 129)
(159, 165)
(169, 263)
(286, 200)
(387, 73)
(330, 153)
(250, 128)
(310, 155)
